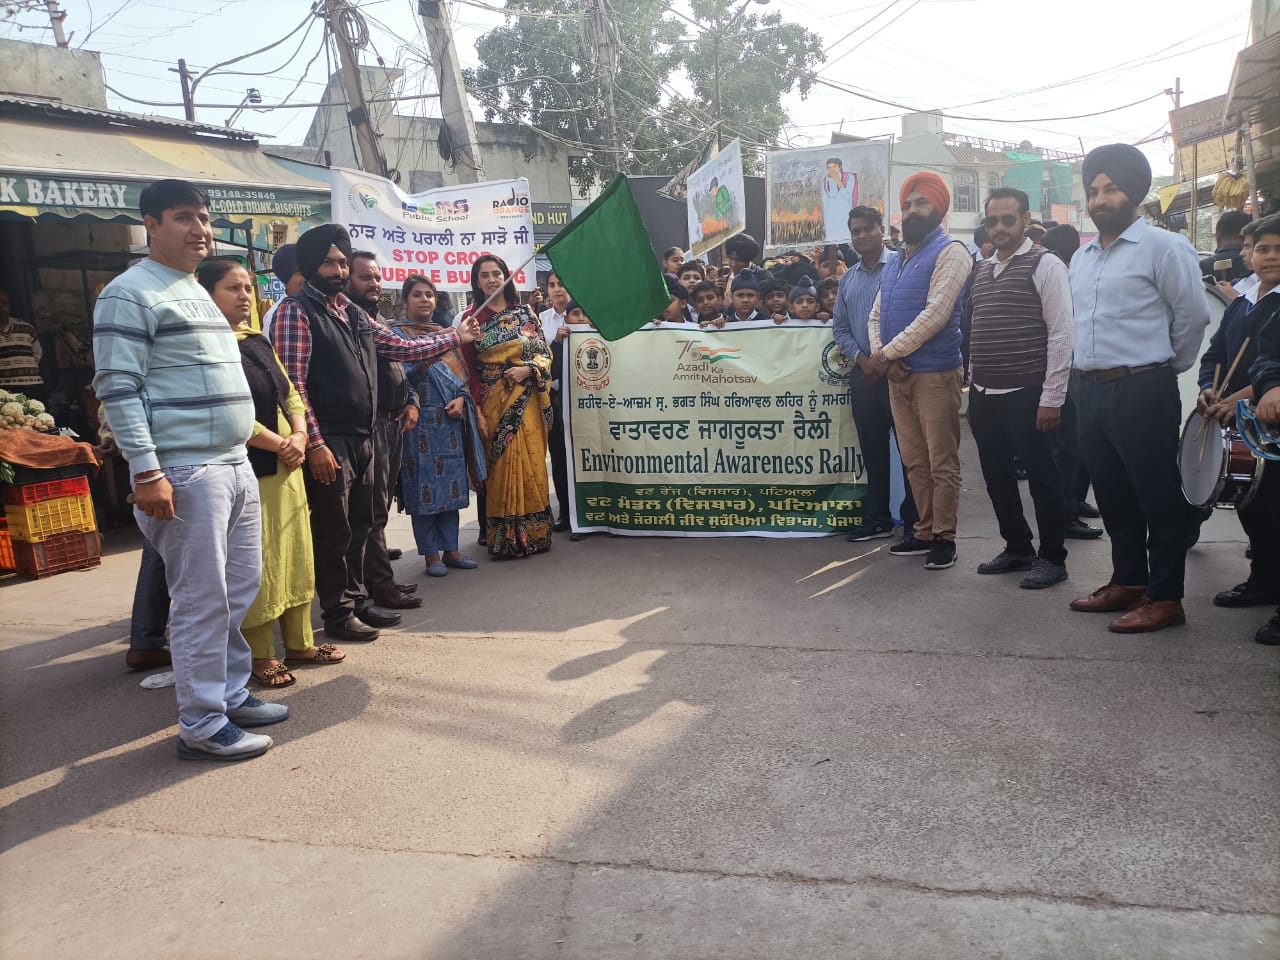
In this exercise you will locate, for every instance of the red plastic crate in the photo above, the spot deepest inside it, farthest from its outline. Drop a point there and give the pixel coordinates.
(28, 493)
(67, 551)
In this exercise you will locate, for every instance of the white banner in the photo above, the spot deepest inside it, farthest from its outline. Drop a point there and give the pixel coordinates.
(440, 233)
(717, 202)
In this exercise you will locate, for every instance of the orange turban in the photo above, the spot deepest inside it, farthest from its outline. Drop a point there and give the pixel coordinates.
(930, 186)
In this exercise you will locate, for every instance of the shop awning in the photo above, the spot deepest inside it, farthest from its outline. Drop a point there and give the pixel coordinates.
(77, 172)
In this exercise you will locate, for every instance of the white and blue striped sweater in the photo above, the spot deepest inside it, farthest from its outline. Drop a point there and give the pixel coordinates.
(169, 372)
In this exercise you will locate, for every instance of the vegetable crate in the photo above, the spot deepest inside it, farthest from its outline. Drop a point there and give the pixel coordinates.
(58, 554)
(40, 521)
(28, 493)
(6, 547)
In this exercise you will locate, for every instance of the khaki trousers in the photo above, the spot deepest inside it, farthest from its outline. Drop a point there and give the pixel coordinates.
(926, 416)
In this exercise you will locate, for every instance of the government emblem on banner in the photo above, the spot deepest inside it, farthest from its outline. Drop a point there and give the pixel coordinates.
(591, 361)
(835, 366)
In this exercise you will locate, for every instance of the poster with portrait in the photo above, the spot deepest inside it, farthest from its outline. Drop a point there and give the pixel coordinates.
(811, 191)
(716, 202)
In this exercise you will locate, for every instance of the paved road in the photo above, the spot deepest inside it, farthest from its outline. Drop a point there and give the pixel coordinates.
(667, 749)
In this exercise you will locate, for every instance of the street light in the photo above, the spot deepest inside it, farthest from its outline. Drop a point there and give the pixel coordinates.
(720, 21)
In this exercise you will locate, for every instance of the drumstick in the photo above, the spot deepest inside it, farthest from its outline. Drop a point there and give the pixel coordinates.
(1239, 356)
(1217, 377)
(1204, 441)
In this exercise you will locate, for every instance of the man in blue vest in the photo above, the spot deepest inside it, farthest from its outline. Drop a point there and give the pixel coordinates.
(914, 329)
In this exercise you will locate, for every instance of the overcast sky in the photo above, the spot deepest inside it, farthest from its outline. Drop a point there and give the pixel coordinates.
(1021, 63)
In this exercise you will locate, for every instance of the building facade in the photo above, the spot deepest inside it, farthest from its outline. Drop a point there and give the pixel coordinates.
(974, 166)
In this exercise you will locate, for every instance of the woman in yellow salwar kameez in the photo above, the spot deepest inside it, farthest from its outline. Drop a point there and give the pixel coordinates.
(276, 451)
(511, 380)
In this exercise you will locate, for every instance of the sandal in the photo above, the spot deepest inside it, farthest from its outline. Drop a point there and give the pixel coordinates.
(326, 653)
(275, 675)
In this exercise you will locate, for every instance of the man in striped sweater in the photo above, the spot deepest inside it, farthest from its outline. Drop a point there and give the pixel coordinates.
(1020, 357)
(169, 376)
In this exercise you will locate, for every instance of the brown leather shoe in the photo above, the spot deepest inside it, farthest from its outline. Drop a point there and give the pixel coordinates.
(148, 659)
(1150, 615)
(395, 600)
(1109, 599)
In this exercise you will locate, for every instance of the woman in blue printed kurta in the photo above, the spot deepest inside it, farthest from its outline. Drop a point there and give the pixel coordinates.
(443, 454)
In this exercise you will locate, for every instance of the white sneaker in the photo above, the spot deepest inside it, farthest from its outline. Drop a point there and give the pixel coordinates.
(256, 713)
(229, 743)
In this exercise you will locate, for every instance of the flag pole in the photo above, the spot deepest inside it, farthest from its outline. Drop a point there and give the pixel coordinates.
(510, 279)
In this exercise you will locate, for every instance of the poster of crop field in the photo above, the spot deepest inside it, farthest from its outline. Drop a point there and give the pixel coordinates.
(717, 202)
(811, 191)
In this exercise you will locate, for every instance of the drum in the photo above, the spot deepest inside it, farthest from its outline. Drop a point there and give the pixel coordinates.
(1217, 467)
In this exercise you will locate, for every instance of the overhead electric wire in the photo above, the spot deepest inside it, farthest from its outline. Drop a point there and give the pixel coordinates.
(830, 63)
(252, 53)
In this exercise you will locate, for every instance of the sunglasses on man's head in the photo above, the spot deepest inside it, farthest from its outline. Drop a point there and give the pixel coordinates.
(1008, 220)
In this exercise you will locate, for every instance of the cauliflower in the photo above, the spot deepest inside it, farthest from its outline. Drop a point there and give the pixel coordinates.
(34, 407)
(12, 410)
(45, 421)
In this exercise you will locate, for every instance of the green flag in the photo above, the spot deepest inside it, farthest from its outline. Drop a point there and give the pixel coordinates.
(604, 259)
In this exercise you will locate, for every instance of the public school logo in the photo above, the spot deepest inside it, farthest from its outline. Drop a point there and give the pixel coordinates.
(363, 198)
(591, 362)
(835, 366)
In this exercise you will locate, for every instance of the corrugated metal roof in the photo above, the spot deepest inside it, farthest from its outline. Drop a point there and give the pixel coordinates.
(14, 103)
(116, 153)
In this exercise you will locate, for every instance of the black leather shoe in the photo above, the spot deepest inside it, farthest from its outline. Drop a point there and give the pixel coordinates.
(394, 553)
(375, 617)
(1079, 530)
(148, 659)
(575, 537)
(1086, 509)
(561, 525)
(1245, 595)
(1269, 632)
(351, 630)
(395, 600)
(407, 587)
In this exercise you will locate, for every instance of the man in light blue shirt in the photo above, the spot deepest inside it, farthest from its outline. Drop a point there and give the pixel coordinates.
(869, 393)
(1140, 317)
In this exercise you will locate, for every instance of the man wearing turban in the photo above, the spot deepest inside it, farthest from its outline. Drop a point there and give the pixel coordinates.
(1140, 315)
(328, 347)
(914, 329)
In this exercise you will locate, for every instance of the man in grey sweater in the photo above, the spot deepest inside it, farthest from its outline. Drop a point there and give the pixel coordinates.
(170, 378)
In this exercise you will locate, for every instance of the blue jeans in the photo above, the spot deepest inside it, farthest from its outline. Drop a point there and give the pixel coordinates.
(213, 565)
(150, 603)
(436, 532)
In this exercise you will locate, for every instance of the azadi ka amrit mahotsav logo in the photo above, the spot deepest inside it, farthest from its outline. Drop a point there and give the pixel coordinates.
(710, 355)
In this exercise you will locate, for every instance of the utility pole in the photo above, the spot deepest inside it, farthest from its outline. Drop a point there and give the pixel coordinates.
(1176, 92)
(716, 92)
(601, 37)
(188, 104)
(455, 112)
(56, 16)
(371, 158)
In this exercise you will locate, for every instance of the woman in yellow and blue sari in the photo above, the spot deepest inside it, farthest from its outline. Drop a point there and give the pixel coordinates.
(510, 383)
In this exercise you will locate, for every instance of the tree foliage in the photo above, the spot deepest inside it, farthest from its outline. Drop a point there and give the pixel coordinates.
(543, 71)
